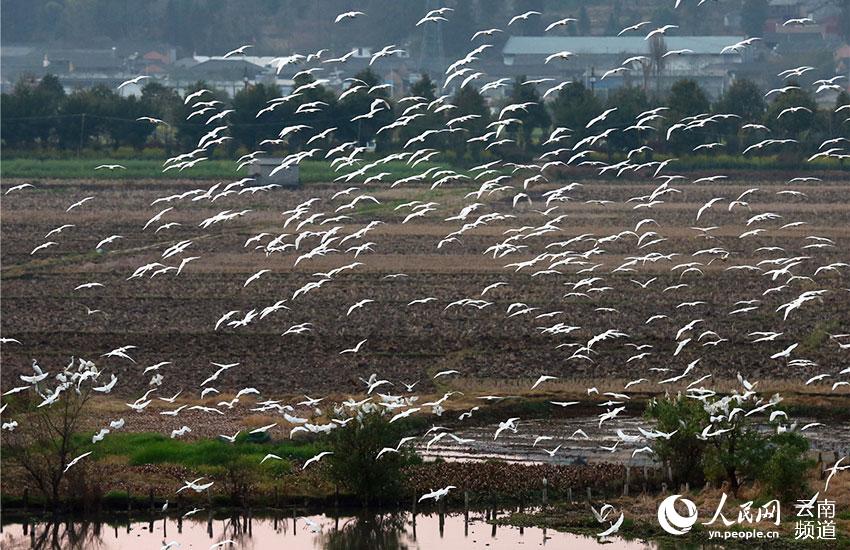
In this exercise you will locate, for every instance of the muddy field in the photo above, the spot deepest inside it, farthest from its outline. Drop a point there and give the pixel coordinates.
(172, 318)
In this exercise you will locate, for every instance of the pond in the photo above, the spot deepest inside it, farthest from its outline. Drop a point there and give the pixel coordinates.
(396, 531)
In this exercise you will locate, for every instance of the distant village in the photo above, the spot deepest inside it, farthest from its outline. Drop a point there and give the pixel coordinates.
(708, 61)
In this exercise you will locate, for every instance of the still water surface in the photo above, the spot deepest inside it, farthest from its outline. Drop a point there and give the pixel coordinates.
(374, 532)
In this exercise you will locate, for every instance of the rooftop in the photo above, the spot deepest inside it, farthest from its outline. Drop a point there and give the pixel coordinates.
(613, 45)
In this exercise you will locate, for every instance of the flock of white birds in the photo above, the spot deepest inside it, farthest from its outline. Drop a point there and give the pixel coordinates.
(794, 282)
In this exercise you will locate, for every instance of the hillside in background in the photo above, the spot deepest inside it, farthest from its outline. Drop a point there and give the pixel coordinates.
(207, 26)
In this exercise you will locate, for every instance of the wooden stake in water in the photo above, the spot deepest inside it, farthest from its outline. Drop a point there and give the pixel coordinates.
(466, 513)
(441, 506)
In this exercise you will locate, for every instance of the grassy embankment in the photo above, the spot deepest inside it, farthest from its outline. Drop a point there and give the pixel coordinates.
(317, 171)
(154, 448)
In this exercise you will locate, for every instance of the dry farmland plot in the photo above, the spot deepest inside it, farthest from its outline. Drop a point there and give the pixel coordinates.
(171, 318)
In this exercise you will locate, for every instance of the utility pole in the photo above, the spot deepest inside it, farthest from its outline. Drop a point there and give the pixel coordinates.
(82, 127)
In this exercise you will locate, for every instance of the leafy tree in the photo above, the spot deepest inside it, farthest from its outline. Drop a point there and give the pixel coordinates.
(687, 99)
(161, 101)
(753, 17)
(239, 475)
(784, 471)
(745, 99)
(533, 117)
(29, 112)
(718, 439)
(361, 103)
(52, 90)
(354, 464)
(190, 131)
(11, 133)
(630, 101)
(248, 130)
(325, 116)
(123, 128)
(99, 116)
(469, 101)
(164, 103)
(89, 118)
(425, 88)
(574, 107)
(840, 123)
(683, 451)
(797, 122)
(428, 119)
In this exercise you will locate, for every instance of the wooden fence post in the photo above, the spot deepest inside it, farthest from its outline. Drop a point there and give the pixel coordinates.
(545, 491)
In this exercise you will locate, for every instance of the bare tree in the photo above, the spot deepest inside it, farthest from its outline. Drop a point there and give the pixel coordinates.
(657, 50)
(43, 443)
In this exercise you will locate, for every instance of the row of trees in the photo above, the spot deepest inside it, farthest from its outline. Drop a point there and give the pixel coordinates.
(41, 115)
(737, 451)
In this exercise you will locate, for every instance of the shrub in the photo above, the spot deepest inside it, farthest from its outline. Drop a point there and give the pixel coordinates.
(684, 451)
(717, 440)
(784, 473)
(354, 466)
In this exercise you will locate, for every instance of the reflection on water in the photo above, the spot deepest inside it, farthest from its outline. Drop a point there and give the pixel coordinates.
(397, 531)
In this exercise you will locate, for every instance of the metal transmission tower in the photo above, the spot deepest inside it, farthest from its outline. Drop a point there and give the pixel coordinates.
(432, 57)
